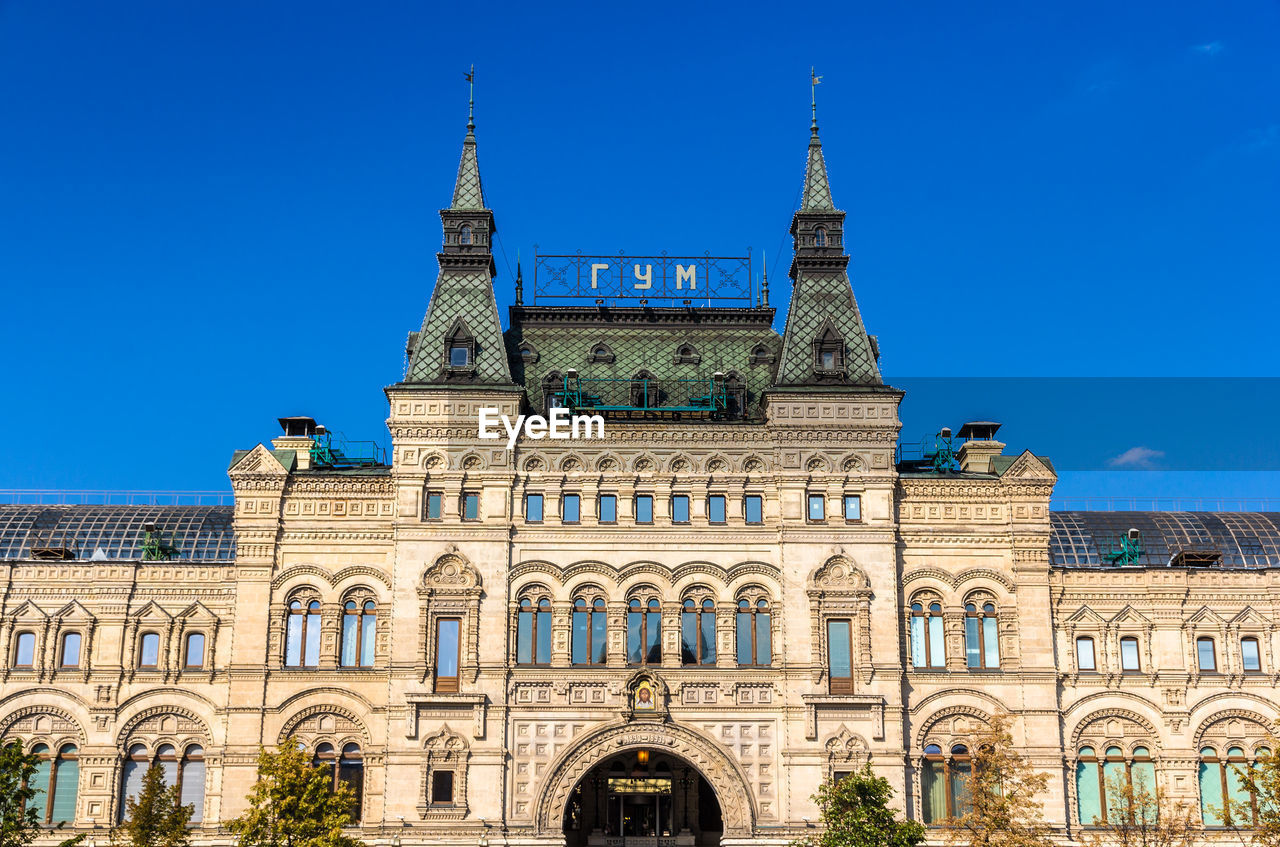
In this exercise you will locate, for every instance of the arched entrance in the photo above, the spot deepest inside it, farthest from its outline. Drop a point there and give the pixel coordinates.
(684, 751)
(643, 798)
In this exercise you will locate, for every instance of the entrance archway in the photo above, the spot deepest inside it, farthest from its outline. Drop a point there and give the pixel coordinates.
(641, 798)
(678, 746)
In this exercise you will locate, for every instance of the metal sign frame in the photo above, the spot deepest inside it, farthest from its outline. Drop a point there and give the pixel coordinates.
(566, 279)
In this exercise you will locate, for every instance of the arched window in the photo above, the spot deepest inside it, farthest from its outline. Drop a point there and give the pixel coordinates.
(754, 632)
(325, 757)
(589, 628)
(135, 766)
(167, 758)
(644, 632)
(981, 641)
(351, 772)
(70, 650)
(191, 781)
(24, 654)
(56, 781)
(464, 234)
(194, 655)
(1114, 787)
(533, 632)
(1089, 788)
(644, 390)
(1250, 656)
(1206, 656)
(1225, 800)
(943, 783)
(928, 648)
(359, 628)
(149, 651)
(698, 632)
(302, 634)
(820, 237)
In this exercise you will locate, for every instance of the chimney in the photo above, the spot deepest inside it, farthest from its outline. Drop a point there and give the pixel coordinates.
(299, 436)
(979, 446)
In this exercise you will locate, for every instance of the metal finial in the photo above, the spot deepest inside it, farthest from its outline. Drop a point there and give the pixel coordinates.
(814, 82)
(471, 102)
(764, 279)
(519, 282)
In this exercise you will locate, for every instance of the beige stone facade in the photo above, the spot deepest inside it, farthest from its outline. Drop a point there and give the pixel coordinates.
(455, 747)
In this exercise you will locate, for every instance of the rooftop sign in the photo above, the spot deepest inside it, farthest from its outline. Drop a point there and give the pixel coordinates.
(657, 280)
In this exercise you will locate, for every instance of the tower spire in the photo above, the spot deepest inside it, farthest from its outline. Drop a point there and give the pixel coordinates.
(471, 100)
(764, 279)
(467, 192)
(519, 282)
(814, 82)
(817, 190)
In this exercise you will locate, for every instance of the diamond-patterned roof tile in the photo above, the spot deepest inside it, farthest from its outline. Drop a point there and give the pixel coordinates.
(817, 190)
(467, 193)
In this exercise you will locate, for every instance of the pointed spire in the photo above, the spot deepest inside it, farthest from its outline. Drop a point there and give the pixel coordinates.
(467, 193)
(817, 190)
(519, 282)
(764, 280)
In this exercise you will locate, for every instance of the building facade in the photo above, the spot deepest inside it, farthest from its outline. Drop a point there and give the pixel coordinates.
(670, 635)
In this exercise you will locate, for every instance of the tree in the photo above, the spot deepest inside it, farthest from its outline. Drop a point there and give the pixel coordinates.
(1136, 818)
(294, 804)
(156, 818)
(1001, 809)
(20, 804)
(856, 813)
(1257, 816)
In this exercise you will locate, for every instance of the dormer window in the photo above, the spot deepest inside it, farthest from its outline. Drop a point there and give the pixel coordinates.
(761, 355)
(601, 354)
(528, 353)
(686, 355)
(459, 355)
(828, 353)
(464, 235)
(820, 237)
(460, 350)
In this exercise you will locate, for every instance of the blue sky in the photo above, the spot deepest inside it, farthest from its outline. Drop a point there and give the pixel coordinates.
(214, 214)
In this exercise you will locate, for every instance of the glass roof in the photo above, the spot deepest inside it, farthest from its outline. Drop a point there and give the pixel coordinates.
(200, 533)
(1240, 539)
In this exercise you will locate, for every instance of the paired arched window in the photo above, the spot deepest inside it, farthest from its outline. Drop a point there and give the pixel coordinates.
(70, 656)
(359, 631)
(754, 632)
(186, 771)
(345, 767)
(644, 631)
(928, 647)
(820, 237)
(944, 782)
(981, 640)
(302, 633)
(1225, 800)
(56, 781)
(1114, 787)
(149, 651)
(698, 632)
(533, 631)
(24, 652)
(589, 631)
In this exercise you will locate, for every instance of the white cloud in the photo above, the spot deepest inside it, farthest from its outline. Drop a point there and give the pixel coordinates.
(1213, 48)
(1136, 457)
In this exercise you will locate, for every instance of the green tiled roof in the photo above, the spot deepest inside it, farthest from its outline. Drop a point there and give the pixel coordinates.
(817, 190)
(466, 295)
(819, 300)
(467, 193)
(649, 345)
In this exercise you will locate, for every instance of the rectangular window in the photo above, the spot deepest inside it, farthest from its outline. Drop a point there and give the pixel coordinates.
(71, 650)
(608, 508)
(853, 507)
(1250, 655)
(448, 644)
(571, 509)
(644, 508)
(716, 508)
(195, 650)
(1084, 655)
(753, 507)
(840, 656)
(1205, 656)
(817, 507)
(434, 505)
(471, 506)
(442, 788)
(533, 508)
(1129, 654)
(459, 356)
(680, 508)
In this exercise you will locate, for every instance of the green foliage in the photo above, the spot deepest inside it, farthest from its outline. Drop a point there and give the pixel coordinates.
(1261, 784)
(856, 813)
(156, 818)
(20, 801)
(1002, 809)
(294, 804)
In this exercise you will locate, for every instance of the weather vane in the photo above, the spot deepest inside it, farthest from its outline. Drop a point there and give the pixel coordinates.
(814, 82)
(471, 100)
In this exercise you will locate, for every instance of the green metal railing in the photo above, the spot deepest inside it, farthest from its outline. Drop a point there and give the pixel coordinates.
(707, 396)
